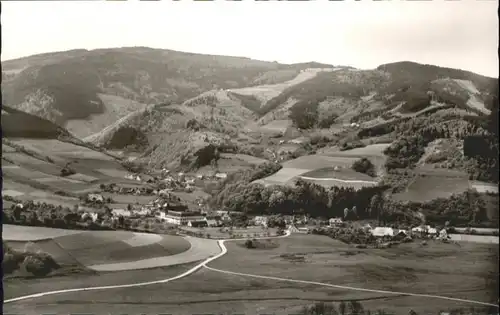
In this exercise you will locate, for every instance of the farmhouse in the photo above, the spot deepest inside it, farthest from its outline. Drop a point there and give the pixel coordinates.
(335, 221)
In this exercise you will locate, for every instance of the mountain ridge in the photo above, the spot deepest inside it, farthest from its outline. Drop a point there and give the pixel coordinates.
(106, 94)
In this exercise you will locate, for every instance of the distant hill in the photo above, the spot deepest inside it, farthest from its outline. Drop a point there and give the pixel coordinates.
(172, 106)
(73, 85)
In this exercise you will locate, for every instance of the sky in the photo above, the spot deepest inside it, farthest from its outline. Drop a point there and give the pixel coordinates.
(460, 34)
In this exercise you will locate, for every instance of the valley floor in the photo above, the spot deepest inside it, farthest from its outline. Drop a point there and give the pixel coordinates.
(467, 272)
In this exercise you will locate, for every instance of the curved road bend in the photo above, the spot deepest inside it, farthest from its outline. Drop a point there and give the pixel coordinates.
(182, 275)
(222, 253)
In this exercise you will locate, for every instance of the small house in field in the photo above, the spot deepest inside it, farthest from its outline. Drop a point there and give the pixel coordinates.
(335, 221)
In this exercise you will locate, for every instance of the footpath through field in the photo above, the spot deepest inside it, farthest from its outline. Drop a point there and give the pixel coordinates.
(222, 253)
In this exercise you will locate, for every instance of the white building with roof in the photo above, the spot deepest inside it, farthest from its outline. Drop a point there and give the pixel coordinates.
(335, 221)
(383, 231)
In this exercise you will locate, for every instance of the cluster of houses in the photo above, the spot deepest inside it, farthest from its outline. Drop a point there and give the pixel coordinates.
(179, 181)
(392, 232)
(139, 191)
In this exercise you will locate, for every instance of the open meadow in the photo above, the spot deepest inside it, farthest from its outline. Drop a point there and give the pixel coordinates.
(92, 248)
(325, 170)
(465, 271)
(342, 174)
(427, 188)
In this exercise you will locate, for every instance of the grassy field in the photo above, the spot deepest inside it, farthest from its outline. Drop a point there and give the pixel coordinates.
(128, 199)
(432, 187)
(343, 174)
(32, 233)
(61, 149)
(305, 164)
(245, 158)
(116, 107)
(410, 268)
(312, 162)
(94, 247)
(369, 150)
(19, 287)
(28, 174)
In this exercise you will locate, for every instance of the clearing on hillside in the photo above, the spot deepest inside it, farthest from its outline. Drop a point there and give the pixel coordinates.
(115, 108)
(337, 173)
(426, 188)
(266, 92)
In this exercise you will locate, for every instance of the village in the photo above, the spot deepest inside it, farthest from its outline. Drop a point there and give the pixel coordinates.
(151, 203)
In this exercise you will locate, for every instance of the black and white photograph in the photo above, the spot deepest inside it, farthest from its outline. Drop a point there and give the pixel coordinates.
(250, 157)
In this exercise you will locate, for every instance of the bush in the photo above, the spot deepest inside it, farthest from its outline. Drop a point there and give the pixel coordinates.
(249, 244)
(364, 166)
(40, 264)
(11, 261)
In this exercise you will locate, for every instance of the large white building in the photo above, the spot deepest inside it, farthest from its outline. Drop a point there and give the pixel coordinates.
(181, 217)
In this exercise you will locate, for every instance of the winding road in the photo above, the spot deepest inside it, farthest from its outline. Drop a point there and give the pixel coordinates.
(222, 253)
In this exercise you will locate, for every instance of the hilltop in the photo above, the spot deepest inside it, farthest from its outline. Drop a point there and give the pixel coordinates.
(184, 110)
(80, 85)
